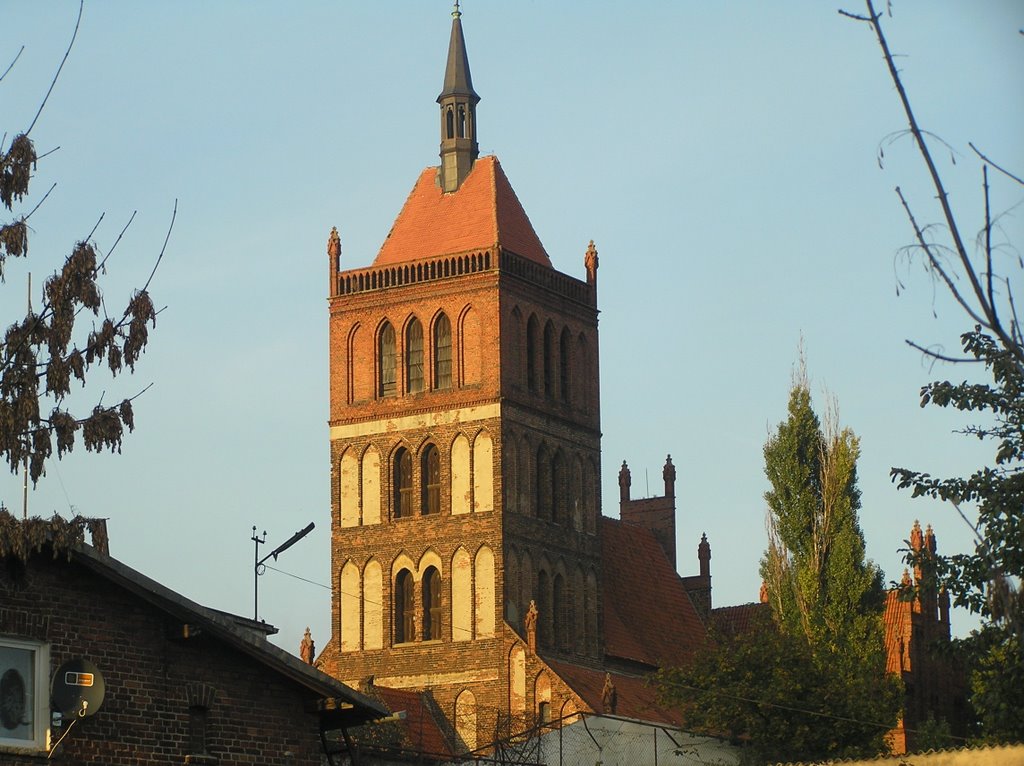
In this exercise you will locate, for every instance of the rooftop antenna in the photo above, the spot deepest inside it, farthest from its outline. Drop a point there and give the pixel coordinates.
(258, 567)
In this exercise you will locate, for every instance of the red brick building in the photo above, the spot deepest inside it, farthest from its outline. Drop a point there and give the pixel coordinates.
(182, 683)
(917, 639)
(469, 552)
(917, 646)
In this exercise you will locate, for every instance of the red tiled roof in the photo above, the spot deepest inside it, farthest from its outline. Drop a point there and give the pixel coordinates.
(897, 616)
(484, 212)
(648, 616)
(425, 736)
(634, 697)
(736, 620)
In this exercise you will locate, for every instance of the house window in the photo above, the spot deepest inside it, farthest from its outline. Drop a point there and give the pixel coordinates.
(403, 484)
(197, 715)
(404, 608)
(442, 352)
(431, 479)
(414, 356)
(24, 693)
(432, 605)
(386, 358)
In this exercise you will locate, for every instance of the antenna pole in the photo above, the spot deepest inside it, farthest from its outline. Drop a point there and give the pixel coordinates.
(257, 563)
(256, 572)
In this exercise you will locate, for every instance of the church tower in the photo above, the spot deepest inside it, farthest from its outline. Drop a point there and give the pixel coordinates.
(465, 446)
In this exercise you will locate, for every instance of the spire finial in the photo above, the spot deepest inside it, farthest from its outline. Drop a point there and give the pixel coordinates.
(458, 100)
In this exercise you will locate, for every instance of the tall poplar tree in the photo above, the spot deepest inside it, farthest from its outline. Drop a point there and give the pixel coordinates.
(820, 585)
(807, 679)
(823, 591)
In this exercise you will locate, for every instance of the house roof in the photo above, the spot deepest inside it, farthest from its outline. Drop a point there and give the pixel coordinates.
(420, 724)
(484, 213)
(635, 697)
(739, 619)
(229, 630)
(648, 615)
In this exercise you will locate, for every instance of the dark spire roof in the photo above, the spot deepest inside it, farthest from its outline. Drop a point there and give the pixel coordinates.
(457, 79)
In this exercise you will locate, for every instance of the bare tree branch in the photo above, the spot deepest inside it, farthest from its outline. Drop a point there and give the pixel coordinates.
(985, 313)
(11, 65)
(936, 266)
(1002, 170)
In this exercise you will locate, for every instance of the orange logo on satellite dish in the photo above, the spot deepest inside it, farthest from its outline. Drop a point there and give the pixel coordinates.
(72, 678)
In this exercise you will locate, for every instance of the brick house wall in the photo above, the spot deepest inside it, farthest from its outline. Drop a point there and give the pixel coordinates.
(162, 672)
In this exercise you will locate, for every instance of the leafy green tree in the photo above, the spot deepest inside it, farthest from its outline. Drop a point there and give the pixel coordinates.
(64, 339)
(769, 694)
(819, 582)
(808, 680)
(822, 589)
(988, 581)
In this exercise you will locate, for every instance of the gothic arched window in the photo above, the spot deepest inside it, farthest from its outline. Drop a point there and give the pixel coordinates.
(558, 608)
(430, 479)
(404, 608)
(531, 353)
(432, 605)
(544, 624)
(543, 490)
(386, 359)
(442, 352)
(402, 484)
(549, 359)
(563, 364)
(414, 356)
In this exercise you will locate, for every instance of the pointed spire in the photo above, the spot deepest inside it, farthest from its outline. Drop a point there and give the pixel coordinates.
(458, 101)
(457, 79)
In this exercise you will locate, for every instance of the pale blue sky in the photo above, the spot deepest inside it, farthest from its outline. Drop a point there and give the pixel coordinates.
(723, 156)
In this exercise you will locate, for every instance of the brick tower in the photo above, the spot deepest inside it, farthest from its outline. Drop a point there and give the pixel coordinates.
(465, 446)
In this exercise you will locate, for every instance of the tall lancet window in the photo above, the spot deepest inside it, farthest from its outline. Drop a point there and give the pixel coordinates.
(404, 608)
(403, 484)
(442, 352)
(431, 481)
(386, 358)
(414, 356)
(432, 605)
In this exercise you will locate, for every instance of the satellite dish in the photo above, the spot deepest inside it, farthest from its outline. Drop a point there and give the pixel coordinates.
(77, 689)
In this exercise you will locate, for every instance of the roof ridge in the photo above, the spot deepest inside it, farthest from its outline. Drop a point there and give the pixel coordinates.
(483, 213)
(495, 166)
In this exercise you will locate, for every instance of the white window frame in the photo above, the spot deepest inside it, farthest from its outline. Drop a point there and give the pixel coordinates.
(37, 693)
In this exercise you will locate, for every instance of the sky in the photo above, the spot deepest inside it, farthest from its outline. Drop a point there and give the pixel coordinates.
(734, 162)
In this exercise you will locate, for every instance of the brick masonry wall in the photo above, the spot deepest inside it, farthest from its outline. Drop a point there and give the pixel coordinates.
(561, 418)
(152, 675)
